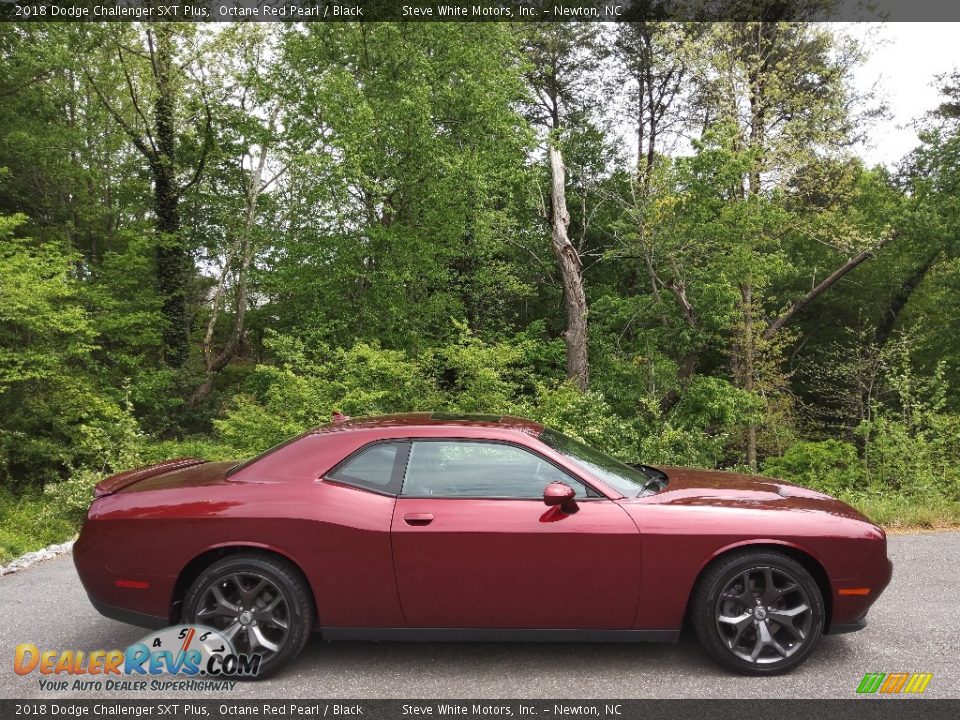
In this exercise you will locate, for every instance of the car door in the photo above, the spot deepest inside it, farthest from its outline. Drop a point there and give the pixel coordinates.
(353, 574)
(475, 546)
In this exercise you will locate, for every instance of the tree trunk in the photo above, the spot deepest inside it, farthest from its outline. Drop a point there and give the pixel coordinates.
(173, 266)
(757, 144)
(575, 301)
(174, 263)
(245, 248)
(748, 352)
(899, 301)
(685, 370)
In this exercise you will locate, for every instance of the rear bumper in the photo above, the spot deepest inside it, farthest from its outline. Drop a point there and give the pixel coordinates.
(131, 617)
(131, 597)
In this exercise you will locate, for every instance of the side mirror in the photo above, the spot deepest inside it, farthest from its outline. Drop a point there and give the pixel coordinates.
(558, 493)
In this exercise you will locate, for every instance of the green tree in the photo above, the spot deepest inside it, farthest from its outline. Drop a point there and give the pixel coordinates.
(53, 417)
(403, 201)
(165, 113)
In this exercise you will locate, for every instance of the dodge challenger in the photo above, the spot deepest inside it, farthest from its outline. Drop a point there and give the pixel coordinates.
(474, 527)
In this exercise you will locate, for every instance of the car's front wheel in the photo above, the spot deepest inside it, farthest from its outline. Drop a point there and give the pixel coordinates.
(259, 602)
(758, 612)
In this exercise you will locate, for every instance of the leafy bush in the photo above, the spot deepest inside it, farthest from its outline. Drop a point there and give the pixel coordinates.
(28, 522)
(467, 375)
(477, 377)
(827, 465)
(53, 415)
(585, 416)
(305, 390)
(896, 462)
(68, 500)
(196, 447)
(714, 405)
(914, 461)
(669, 445)
(705, 427)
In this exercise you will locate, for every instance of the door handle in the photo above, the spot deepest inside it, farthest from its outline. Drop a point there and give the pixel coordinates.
(418, 519)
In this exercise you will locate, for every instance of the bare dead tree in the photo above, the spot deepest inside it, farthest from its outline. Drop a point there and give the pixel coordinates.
(571, 269)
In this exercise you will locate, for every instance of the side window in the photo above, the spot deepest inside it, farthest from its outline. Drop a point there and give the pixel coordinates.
(447, 468)
(372, 468)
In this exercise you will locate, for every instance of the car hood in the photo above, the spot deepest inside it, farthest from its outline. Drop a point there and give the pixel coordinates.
(689, 486)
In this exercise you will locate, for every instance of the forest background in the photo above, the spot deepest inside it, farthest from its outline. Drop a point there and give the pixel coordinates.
(657, 237)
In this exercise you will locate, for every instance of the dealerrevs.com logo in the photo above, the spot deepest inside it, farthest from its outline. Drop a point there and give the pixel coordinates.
(898, 683)
(188, 651)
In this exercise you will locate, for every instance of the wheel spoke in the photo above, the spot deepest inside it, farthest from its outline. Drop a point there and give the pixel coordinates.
(786, 590)
(251, 637)
(736, 620)
(279, 622)
(760, 642)
(785, 618)
(777, 646)
(770, 592)
(798, 634)
(739, 623)
(788, 614)
(238, 583)
(230, 632)
(263, 641)
(216, 611)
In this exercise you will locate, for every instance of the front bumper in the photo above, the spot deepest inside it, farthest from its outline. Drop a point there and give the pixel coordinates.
(850, 611)
(849, 627)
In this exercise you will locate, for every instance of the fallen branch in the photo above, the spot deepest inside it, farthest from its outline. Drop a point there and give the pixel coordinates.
(824, 285)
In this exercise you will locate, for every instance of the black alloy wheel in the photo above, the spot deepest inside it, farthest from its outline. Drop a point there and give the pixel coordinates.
(758, 612)
(259, 602)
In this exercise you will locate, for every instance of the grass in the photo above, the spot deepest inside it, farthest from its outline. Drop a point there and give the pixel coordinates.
(899, 514)
(30, 522)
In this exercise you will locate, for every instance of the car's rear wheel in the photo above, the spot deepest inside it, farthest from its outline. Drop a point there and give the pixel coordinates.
(259, 602)
(758, 612)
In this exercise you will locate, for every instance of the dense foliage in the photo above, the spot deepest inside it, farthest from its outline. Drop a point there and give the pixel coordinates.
(210, 240)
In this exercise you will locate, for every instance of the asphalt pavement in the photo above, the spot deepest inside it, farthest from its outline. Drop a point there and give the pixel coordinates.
(914, 627)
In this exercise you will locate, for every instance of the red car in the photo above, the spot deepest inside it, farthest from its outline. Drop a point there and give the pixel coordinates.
(450, 527)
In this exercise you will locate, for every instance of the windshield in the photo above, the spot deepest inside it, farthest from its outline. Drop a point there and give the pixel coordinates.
(622, 478)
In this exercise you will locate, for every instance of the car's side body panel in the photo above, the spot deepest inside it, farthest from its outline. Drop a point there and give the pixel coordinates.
(516, 564)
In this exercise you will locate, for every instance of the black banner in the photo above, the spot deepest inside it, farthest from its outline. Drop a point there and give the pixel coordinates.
(855, 709)
(473, 10)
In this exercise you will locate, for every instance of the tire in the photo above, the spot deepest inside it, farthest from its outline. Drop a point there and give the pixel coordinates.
(277, 595)
(757, 612)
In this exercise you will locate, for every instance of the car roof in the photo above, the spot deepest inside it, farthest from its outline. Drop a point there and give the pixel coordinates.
(428, 420)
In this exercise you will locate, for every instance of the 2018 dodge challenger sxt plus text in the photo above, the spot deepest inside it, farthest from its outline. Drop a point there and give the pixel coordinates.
(445, 527)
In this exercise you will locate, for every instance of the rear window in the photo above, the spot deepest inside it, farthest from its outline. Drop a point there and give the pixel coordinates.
(371, 468)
